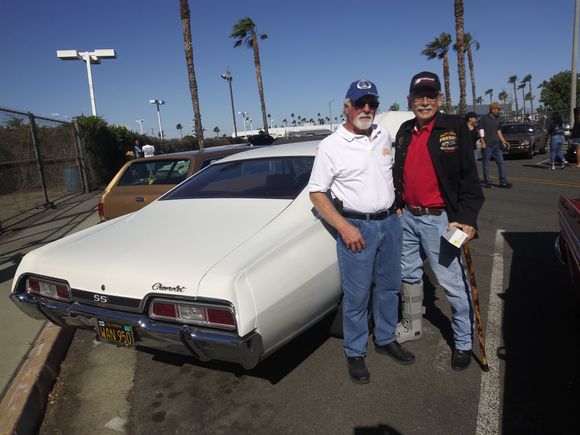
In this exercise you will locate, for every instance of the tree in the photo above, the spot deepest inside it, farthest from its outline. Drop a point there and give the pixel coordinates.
(186, 24)
(468, 43)
(490, 93)
(479, 100)
(522, 86)
(439, 48)
(179, 127)
(528, 79)
(216, 130)
(503, 96)
(244, 32)
(460, 48)
(512, 80)
(555, 94)
(394, 107)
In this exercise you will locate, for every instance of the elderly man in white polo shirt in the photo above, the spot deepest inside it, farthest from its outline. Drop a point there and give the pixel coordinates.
(355, 165)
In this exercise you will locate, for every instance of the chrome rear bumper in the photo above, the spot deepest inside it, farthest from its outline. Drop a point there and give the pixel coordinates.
(203, 343)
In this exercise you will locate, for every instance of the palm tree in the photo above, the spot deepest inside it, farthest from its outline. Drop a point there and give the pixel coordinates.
(503, 96)
(469, 42)
(490, 93)
(285, 121)
(512, 80)
(479, 100)
(186, 24)
(438, 48)
(528, 79)
(522, 86)
(394, 107)
(216, 130)
(244, 32)
(179, 127)
(460, 48)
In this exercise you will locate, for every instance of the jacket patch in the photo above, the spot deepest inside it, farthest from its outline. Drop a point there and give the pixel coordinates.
(448, 142)
(401, 141)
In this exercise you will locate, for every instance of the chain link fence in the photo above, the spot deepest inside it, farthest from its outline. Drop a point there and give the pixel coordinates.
(40, 162)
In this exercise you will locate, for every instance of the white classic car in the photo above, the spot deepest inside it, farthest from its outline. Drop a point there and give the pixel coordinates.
(229, 265)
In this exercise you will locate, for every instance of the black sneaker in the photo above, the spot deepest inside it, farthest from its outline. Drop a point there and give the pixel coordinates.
(564, 164)
(357, 369)
(397, 352)
(460, 359)
(505, 185)
(486, 185)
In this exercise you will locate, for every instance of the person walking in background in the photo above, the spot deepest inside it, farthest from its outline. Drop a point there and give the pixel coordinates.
(491, 137)
(355, 164)
(137, 149)
(575, 142)
(472, 130)
(437, 190)
(557, 138)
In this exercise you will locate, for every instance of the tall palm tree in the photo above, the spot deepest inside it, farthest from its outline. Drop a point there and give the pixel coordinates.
(490, 93)
(512, 80)
(479, 100)
(503, 96)
(438, 48)
(244, 32)
(216, 130)
(468, 43)
(528, 79)
(460, 48)
(179, 127)
(186, 24)
(522, 86)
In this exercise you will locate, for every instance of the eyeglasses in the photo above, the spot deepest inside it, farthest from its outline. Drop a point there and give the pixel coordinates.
(361, 103)
(430, 95)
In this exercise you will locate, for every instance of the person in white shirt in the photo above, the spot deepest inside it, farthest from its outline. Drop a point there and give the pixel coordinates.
(355, 164)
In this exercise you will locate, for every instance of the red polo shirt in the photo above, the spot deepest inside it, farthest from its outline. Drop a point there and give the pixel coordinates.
(420, 185)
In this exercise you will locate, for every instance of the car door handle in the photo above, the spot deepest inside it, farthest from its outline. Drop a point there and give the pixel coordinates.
(139, 198)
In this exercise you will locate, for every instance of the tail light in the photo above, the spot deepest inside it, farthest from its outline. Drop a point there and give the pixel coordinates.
(101, 209)
(213, 316)
(49, 289)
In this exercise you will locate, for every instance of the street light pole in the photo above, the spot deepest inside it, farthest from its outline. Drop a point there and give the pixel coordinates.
(228, 77)
(574, 62)
(244, 115)
(140, 122)
(158, 103)
(89, 57)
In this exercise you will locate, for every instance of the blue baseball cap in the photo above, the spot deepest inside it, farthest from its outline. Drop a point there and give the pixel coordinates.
(361, 88)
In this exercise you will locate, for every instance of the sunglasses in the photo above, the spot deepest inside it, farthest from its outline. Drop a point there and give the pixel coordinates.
(430, 95)
(362, 102)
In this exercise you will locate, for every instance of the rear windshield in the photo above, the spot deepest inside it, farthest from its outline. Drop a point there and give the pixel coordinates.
(517, 128)
(274, 178)
(164, 171)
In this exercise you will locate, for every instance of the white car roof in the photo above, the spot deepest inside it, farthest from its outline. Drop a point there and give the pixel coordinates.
(290, 149)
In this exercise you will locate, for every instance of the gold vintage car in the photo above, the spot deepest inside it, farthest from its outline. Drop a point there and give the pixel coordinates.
(141, 181)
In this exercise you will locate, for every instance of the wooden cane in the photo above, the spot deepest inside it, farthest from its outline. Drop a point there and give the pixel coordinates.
(475, 298)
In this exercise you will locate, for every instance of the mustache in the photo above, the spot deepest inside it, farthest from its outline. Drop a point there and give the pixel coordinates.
(425, 107)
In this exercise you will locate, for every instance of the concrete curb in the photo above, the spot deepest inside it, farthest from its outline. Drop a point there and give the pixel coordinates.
(22, 408)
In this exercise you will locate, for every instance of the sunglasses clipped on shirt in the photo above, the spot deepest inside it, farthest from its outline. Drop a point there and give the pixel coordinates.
(362, 102)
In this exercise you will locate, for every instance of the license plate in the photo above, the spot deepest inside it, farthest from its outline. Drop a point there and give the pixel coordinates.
(115, 333)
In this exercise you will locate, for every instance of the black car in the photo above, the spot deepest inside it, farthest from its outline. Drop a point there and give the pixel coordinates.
(525, 138)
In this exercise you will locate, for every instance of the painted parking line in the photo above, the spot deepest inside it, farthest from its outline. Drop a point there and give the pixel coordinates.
(543, 181)
(489, 409)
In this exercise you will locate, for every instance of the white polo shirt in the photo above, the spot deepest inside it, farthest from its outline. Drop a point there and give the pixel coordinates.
(356, 169)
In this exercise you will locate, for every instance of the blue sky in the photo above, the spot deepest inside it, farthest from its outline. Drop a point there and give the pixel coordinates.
(313, 52)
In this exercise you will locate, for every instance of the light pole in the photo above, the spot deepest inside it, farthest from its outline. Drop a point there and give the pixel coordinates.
(330, 113)
(244, 115)
(89, 57)
(140, 122)
(574, 65)
(158, 103)
(228, 77)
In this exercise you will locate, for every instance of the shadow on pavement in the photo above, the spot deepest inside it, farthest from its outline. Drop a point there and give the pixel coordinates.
(540, 333)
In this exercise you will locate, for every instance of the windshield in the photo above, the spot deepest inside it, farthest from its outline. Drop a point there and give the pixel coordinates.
(273, 178)
(517, 128)
(166, 171)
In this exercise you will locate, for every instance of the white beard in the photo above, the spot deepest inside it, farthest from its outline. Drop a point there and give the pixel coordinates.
(363, 124)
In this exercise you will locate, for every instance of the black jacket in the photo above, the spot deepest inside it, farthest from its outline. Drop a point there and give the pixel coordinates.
(452, 155)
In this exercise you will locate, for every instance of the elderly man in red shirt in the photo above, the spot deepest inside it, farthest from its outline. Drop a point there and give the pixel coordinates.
(437, 189)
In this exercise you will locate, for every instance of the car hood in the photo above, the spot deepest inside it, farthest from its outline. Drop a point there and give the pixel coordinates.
(516, 136)
(165, 248)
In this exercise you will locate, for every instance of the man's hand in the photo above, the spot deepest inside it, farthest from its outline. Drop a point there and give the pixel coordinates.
(506, 145)
(467, 229)
(352, 237)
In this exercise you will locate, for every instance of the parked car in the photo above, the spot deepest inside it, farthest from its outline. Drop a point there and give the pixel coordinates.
(525, 138)
(141, 181)
(568, 241)
(229, 265)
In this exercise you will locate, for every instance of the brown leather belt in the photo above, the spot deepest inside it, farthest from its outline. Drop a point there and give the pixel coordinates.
(417, 210)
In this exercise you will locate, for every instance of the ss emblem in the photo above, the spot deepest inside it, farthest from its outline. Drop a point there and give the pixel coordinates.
(100, 298)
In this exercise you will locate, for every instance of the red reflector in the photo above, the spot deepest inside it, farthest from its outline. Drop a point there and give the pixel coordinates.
(223, 317)
(164, 309)
(33, 285)
(62, 292)
(101, 209)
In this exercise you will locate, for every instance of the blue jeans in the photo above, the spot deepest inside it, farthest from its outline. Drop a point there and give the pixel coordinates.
(424, 233)
(378, 263)
(556, 143)
(493, 151)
